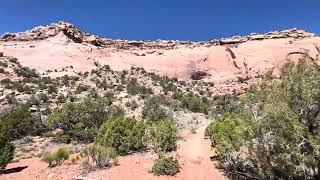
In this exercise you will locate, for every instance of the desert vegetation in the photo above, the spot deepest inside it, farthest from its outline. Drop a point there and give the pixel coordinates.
(270, 131)
(56, 158)
(6, 147)
(166, 166)
(273, 132)
(91, 109)
(21, 123)
(164, 135)
(81, 121)
(97, 156)
(125, 135)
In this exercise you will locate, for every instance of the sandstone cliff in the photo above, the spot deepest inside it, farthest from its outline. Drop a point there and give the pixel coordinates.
(61, 44)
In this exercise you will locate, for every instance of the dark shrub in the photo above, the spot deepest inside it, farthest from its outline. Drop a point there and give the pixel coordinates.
(164, 135)
(61, 98)
(194, 104)
(26, 72)
(6, 148)
(134, 88)
(225, 104)
(132, 104)
(81, 88)
(152, 110)
(2, 71)
(43, 97)
(275, 134)
(5, 81)
(14, 60)
(3, 64)
(18, 86)
(166, 166)
(81, 121)
(52, 89)
(21, 123)
(123, 134)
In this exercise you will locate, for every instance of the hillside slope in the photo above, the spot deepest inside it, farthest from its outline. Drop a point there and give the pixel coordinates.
(61, 44)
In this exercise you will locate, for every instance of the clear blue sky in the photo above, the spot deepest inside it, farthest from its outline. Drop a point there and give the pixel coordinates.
(164, 19)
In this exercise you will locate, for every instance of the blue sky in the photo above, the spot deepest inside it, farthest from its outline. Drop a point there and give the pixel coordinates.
(163, 19)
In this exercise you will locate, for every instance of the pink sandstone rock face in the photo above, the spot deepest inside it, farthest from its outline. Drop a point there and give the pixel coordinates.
(61, 44)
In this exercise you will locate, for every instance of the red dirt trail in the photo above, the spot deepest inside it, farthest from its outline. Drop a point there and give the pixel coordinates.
(194, 157)
(195, 154)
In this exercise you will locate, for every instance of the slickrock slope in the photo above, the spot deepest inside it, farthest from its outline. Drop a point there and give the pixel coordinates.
(61, 44)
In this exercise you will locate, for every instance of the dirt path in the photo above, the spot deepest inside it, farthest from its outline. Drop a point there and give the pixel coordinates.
(194, 152)
(194, 157)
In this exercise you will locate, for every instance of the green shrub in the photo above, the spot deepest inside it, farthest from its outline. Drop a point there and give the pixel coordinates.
(152, 110)
(194, 104)
(81, 88)
(18, 86)
(109, 95)
(6, 147)
(6, 83)
(166, 166)
(62, 154)
(123, 134)
(276, 135)
(43, 97)
(52, 89)
(97, 156)
(169, 86)
(21, 123)
(49, 158)
(2, 71)
(26, 72)
(132, 104)
(29, 89)
(154, 115)
(3, 64)
(134, 88)
(46, 80)
(65, 80)
(61, 138)
(14, 60)
(81, 121)
(61, 98)
(164, 135)
(224, 104)
(236, 128)
(57, 158)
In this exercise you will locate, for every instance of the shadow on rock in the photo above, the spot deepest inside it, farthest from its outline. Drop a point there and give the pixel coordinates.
(14, 170)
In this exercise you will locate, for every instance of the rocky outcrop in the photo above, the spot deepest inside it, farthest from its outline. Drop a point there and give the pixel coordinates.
(77, 36)
(44, 32)
(173, 44)
(290, 33)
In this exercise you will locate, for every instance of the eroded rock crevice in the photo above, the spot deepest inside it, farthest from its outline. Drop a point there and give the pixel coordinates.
(198, 75)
